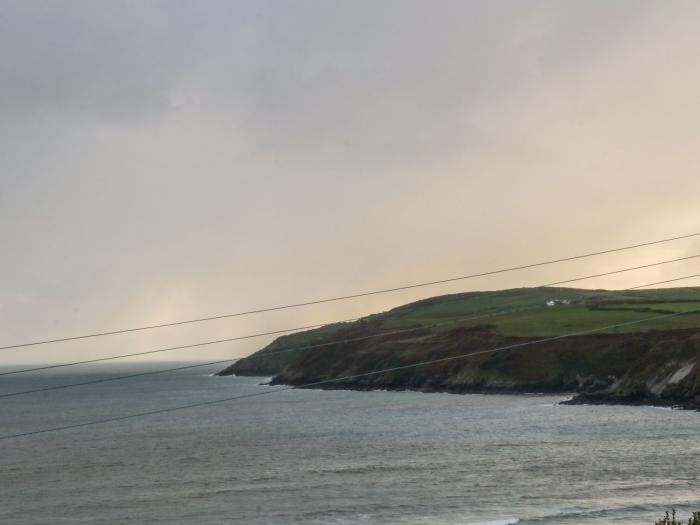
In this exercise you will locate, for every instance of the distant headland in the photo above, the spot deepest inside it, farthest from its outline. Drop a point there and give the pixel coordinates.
(648, 355)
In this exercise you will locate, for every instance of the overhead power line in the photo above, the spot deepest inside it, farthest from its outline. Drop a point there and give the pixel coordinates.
(345, 297)
(300, 328)
(343, 378)
(117, 378)
(171, 348)
(664, 282)
(308, 347)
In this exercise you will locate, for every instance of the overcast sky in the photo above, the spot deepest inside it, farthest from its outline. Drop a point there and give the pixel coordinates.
(167, 160)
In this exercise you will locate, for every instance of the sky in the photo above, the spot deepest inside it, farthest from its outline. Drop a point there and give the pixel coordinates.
(165, 160)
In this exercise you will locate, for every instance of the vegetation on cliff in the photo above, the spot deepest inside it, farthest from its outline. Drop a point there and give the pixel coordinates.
(670, 519)
(653, 362)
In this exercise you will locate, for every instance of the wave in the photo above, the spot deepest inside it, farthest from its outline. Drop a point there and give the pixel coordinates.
(509, 521)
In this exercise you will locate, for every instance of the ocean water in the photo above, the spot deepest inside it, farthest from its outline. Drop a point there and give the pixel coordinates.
(334, 457)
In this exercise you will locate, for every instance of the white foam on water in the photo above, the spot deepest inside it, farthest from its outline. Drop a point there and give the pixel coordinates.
(508, 521)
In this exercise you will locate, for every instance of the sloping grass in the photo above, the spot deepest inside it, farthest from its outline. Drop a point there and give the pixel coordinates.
(523, 312)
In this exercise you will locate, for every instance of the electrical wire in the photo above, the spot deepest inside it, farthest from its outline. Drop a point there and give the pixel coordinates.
(296, 329)
(340, 379)
(307, 347)
(345, 297)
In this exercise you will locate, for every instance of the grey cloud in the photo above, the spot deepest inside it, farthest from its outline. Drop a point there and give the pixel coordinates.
(296, 64)
(95, 59)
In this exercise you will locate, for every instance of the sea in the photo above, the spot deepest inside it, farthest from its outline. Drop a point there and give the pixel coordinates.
(331, 457)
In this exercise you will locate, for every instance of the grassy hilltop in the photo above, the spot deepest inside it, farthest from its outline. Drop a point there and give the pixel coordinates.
(652, 361)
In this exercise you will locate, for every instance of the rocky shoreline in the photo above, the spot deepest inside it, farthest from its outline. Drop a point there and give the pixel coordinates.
(601, 399)
(580, 399)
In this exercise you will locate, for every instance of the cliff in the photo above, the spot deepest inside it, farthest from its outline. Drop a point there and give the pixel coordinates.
(652, 362)
(666, 375)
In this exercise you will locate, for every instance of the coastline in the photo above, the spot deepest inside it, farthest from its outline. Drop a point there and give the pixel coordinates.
(593, 399)
(541, 353)
(575, 398)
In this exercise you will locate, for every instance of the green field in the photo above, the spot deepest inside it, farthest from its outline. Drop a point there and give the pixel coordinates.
(523, 312)
(659, 307)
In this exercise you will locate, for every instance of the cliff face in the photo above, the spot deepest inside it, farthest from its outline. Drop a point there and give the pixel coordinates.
(275, 356)
(635, 365)
(668, 375)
